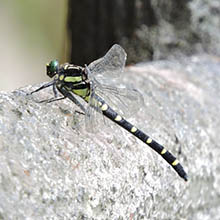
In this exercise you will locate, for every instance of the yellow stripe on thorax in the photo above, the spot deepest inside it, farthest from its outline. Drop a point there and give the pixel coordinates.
(87, 98)
(73, 79)
(81, 92)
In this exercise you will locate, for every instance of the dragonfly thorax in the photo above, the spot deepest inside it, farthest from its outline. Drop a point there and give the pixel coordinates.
(73, 78)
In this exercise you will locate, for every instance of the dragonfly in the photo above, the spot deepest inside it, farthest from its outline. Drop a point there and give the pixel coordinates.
(93, 84)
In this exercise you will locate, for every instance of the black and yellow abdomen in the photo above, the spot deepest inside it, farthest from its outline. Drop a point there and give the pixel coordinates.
(112, 115)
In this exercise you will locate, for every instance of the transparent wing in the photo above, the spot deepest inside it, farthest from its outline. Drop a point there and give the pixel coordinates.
(124, 101)
(92, 122)
(110, 66)
(94, 119)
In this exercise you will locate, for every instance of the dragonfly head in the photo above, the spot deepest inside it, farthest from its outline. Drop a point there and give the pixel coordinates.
(52, 68)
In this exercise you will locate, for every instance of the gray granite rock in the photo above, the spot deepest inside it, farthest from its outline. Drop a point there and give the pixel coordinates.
(52, 168)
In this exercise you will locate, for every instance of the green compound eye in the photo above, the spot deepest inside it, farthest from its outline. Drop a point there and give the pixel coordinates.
(52, 68)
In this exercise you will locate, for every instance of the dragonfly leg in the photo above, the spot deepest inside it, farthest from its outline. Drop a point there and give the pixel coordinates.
(81, 113)
(68, 95)
(55, 90)
(54, 99)
(42, 87)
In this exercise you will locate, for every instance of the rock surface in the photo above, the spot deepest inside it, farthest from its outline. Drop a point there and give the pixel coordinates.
(51, 168)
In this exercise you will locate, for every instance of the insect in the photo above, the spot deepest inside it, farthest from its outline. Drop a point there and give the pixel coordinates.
(75, 82)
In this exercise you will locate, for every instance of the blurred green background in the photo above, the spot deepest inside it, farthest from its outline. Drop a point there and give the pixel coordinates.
(32, 33)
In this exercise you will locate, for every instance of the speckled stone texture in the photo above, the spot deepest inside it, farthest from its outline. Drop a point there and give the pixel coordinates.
(52, 168)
